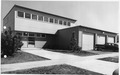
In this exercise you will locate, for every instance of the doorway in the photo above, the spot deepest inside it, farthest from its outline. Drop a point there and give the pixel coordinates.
(31, 42)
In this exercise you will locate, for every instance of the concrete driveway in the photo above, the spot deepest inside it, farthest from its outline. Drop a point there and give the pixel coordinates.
(89, 63)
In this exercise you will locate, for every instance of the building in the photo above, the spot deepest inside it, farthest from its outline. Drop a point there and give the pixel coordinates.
(44, 30)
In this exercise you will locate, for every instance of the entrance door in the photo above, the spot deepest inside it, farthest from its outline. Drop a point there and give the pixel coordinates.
(31, 42)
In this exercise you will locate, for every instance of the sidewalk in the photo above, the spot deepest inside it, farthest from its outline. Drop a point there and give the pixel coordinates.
(89, 62)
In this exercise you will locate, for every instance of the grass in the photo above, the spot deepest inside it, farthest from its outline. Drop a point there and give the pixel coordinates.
(111, 59)
(55, 69)
(78, 53)
(21, 57)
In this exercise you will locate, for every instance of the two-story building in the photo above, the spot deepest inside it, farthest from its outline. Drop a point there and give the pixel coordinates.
(40, 29)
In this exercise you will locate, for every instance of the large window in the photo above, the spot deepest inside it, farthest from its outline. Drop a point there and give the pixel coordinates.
(31, 34)
(27, 15)
(40, 18)
(38, 35)
(60, 22)
(68, 23)
(56, 21)
(64, 22)
(25, 34)
(20, 14)
(51, 20)
(34, 17)
(43, 35)
(46, 19)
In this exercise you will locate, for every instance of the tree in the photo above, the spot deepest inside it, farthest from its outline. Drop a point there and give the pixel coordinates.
(10, 43)
(73, 43)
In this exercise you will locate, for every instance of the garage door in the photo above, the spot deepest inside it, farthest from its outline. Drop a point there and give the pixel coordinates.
(39, 44)
(100, 39)
(110, 39)
(87, 41)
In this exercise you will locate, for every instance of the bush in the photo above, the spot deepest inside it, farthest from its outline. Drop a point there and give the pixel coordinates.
(9, 43)
(73, 43)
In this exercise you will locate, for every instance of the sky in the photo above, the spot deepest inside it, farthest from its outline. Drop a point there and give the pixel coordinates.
(95, 14)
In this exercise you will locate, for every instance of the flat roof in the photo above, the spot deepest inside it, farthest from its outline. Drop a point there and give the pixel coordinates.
(97, 29)
(41, 12)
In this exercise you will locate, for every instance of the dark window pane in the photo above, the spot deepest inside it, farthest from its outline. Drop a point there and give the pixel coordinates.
(27, 15)
(43, 35)
(51, 20)
(60, 22)
(40, 18)
(64, 23)
(25, 34)
(20, 14)
(56, 21)
(38, 35)
(68, 23)
(46, 19)
(34, 17)
(31, 34)
(19, 33)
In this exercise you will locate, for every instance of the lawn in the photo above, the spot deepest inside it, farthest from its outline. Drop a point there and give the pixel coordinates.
(21, 57)
(55, 69)
(111, 59)
(78, 53)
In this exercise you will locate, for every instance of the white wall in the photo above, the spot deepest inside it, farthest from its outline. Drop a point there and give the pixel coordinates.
(23, 24)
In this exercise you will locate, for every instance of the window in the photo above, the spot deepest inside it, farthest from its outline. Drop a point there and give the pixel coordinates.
(25, 34)
(40, 18)
(27, 15)
(34, 17)
(31, 34)
(19, 33)
(56, 21)
(68, 23)
(46, 19)
(64, 22)
(38, 35)
(20, 14)
(43, 35)
(60, 22)
(51, 20)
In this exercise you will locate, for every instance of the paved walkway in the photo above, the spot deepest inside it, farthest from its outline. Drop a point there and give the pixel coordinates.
(89, 62)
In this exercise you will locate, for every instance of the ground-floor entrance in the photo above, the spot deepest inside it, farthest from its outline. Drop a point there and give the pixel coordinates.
(31, 42)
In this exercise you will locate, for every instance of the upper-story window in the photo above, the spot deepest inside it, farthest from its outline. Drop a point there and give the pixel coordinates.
(60, 22)
(46, 19)
(40, 18)
(27, 15)
(25, 34)
(43, 35)
(51, 20)
(20, 14)
(34, 17)
(65, 23)
(69, 24)
(56, 21)
(38, 35)
(31, 34)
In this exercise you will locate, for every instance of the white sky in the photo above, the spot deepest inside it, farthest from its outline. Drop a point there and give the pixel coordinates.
(95, 14)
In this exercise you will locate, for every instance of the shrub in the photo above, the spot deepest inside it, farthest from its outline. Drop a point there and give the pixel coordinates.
(9, 43)
(73, 43)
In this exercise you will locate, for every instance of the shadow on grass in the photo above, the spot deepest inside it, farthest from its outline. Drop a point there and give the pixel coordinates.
(78, 53)
(55, 69)
(111, 59)
(20, 57)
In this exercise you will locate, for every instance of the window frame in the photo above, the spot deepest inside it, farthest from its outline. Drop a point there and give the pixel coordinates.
(20, 12)
(33, 17)
(26, 16)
